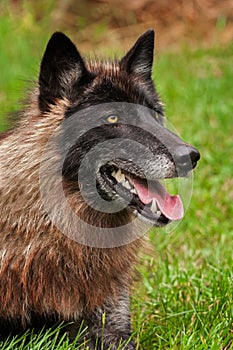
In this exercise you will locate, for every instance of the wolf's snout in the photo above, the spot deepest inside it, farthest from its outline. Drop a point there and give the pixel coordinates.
(186, 157)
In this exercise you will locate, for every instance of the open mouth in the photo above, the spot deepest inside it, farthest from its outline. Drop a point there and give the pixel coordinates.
(148, 200)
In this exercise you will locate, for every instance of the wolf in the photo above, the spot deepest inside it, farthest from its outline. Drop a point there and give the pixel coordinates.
(49, 275)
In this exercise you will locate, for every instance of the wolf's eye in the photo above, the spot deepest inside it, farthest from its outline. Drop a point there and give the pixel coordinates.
(112, 119)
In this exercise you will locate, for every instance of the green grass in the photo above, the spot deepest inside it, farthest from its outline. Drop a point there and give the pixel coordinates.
(185, 300)
(185, 297)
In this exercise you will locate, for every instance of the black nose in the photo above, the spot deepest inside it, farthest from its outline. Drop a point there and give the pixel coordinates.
(186, 157)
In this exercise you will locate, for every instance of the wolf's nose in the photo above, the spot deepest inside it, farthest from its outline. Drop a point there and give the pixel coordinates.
(186, 157)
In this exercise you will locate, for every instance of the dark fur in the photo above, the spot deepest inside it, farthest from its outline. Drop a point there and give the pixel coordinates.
(45, 276)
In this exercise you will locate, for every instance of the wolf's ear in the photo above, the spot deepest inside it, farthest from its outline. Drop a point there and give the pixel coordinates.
(62, 68)
(139, 59)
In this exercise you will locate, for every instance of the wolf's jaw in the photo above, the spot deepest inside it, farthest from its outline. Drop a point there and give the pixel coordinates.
(129, 188)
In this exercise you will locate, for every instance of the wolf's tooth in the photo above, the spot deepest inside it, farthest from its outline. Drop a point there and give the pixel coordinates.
(122, 179)
(119, 176)
(154, 206)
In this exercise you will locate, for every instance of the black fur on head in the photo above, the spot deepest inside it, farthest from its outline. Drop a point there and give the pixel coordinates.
(65, 74)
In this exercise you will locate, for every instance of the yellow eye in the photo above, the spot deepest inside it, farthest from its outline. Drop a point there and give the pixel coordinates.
(112, 119)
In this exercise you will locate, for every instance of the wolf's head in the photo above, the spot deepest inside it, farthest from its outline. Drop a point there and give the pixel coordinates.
(115, 118)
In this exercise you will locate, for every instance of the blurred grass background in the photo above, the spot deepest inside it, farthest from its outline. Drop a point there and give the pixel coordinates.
(185, 300)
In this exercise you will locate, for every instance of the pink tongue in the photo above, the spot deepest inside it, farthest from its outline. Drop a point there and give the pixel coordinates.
(170, 206)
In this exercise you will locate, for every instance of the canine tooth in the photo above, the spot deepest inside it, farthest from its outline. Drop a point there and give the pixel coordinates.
(154, 206)
(133, 191)
(119, 176)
